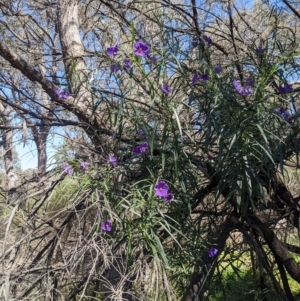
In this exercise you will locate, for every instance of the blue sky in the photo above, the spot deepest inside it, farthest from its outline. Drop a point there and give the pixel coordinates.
(28, 154)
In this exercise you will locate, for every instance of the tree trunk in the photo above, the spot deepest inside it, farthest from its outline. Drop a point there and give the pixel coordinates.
(8, 160)
(73, 51)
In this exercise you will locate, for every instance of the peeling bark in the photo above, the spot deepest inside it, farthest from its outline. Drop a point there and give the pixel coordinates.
(73, 52)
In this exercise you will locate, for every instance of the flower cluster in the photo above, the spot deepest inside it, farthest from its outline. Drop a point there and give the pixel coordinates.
(162, 191)
(67, 167)
(287, 88)
(139, 48)
(247, 90)
(63, 95)
(112, 160)
(284, 114)
(106, 225)
(141, 148)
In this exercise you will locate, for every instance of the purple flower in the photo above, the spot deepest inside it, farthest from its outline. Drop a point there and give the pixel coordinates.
(169, 197)
(141, 149)
(112, 160)
(260, 50)
(106, 225)
(141, 133)
(127, 64)
(218, 69)
(115, 68)
(144, 147)
(161, 189)
(84, 165)
(286, 116)
(63, 95)
(141, 49)
(65, 165)
(283, 113)
(247, 90)
(152, 58)
(287, 88)
(212, 252)
(166, 89)
(195, 78)
(112, 50)
(205, 77)
(68, 169)
(207, 40)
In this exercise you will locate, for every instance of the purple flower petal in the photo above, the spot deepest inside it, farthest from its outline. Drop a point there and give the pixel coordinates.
(205, 77)
(247, 90)
(207, 40)
(195, 78)
(127, 64)
(141, 149)
(169, 197)
(166, 89)
(260, 50)
(161, 189)
(65, 165)
(152, 58)
(284, 114)
(112, 50)
(63, 95)
(287, 88)
(141, 133)
(112, 160)
(68, 169)
(277, 111)
(141, 49)
(212, 252)
(106, 225)
(218, 69)
(84, 165)
(115, 68)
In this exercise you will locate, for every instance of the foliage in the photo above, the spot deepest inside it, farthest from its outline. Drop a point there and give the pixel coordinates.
(177, 141)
